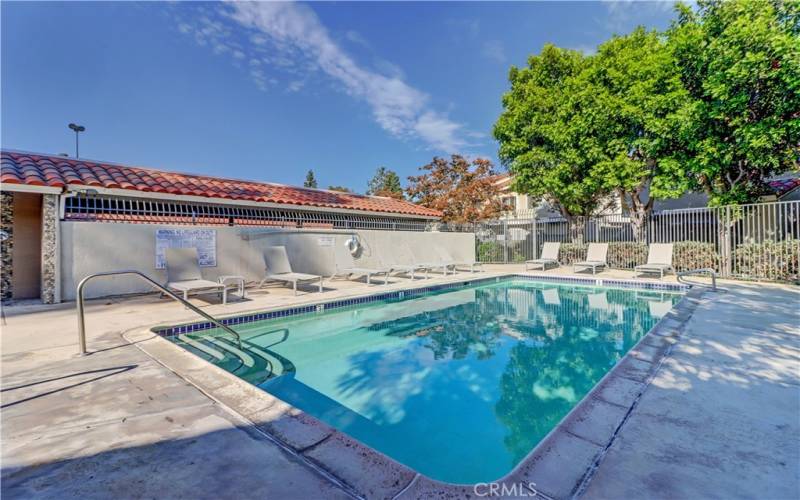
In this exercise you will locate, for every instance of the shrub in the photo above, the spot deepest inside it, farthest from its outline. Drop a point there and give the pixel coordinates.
(572, 252)
(490, 251)
(769, 260)
(627, 255)
(772, 260)
(516, 251)
(689, 255)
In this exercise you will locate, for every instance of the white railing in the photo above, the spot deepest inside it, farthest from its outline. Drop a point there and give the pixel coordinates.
(756, 241)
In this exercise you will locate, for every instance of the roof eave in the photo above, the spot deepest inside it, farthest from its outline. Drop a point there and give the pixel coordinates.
(29, 188)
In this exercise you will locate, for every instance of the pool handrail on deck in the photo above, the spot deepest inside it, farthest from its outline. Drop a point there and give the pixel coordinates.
(161, 288)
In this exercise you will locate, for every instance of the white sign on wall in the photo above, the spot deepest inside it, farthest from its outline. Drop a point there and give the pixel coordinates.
(204, 240)
(326, 241)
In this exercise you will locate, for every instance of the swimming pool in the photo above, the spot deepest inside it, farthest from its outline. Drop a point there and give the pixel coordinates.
(459, 384)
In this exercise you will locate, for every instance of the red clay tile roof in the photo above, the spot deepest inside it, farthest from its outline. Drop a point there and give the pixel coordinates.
(783, 186)
(57, 171)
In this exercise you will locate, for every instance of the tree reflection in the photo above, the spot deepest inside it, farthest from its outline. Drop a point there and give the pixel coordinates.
(576, 344)
(455, 332)
(554, 343)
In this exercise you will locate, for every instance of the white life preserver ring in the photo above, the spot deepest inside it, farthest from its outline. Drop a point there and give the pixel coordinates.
(352, 244)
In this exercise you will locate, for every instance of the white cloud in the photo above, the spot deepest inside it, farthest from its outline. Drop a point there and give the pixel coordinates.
(623, 15)
(291, 37)
(259, 78)
(437, 129)
(355, 37)
(494, 50)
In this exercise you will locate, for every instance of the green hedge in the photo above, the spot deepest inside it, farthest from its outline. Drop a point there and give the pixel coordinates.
(490, 251)
(695, 255)
(626, 255)
(493, 251)
(771, 260)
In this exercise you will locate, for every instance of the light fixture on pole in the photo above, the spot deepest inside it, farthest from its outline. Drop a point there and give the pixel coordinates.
(78, 129)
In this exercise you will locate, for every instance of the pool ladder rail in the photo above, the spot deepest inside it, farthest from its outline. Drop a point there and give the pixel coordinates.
(709, 271)
(161, 288)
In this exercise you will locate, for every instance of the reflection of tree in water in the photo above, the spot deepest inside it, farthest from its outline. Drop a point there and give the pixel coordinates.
(542, 382)
(561, 351)
(456, 331)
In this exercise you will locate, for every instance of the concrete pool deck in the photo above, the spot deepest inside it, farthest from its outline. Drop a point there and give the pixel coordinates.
(720, 417)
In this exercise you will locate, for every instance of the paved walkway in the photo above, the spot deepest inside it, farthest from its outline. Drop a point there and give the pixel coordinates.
(117, 424)
(720, 420)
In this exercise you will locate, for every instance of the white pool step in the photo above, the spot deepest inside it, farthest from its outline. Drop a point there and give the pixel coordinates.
(247, 359)
(202, 347)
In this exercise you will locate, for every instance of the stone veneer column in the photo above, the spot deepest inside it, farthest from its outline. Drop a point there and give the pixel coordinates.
(50, 254)
(7, 225)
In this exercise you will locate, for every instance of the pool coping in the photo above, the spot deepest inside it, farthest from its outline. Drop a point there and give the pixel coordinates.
(559, 466)
(313, 307)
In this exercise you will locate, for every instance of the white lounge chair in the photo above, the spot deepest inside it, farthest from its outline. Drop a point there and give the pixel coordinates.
(346, 266)
(444, 265)
(447, 257)
(659, 260)
(278, 268)
(549, 256)
(409, 269)
(596, 256)
(184, 275)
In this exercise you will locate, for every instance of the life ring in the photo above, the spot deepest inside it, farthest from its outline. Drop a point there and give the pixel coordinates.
(352, 245)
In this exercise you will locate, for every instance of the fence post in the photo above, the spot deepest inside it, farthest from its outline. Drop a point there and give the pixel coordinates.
(727, 250)
(535, 253)
(505, 241)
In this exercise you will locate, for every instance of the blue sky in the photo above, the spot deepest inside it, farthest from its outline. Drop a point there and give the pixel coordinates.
(266, 91)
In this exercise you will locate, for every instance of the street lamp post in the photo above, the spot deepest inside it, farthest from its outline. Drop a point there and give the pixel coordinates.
(78, 129)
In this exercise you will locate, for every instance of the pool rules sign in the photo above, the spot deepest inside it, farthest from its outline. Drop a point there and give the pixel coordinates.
(204, 240)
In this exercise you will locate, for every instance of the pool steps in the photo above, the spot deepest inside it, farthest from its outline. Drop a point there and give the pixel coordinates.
(252, 363)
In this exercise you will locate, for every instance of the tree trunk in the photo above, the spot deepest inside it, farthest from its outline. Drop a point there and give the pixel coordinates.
(639, 224)
(640, 212)
(576, 229)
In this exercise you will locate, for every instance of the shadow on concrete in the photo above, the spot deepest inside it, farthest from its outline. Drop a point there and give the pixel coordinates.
(107, 372)
(721, 417)
(234, 462)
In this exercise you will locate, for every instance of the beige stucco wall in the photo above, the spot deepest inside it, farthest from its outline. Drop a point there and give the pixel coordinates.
(88, 248)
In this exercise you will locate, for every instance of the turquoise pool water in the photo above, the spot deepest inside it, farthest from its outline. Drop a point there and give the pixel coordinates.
(459, 385)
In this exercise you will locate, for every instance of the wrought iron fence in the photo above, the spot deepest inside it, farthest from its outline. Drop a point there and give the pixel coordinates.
(103, 208)
(757, 241)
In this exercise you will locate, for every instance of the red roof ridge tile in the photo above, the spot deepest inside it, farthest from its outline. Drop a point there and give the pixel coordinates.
(26, 167)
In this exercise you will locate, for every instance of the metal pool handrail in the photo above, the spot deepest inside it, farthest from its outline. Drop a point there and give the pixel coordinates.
(707, 270)
(163, 289)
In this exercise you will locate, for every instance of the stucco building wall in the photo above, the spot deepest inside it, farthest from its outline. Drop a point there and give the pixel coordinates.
(88, 248)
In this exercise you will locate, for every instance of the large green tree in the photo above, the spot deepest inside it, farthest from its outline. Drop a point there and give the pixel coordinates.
(627, 104)
(542, 136)
(739, 61)
(385, 182)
